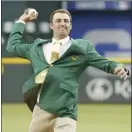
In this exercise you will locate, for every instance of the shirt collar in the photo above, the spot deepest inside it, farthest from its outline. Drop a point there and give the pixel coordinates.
(62, 41)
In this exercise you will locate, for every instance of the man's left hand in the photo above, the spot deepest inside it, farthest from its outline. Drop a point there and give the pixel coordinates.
(121, 71)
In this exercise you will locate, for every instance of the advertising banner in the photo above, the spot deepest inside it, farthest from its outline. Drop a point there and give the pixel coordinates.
(95, 86)
(103, 88)
(99, 5)
(109, 32)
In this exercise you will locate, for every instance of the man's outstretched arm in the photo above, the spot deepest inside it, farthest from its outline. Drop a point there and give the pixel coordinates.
(13, 45)
(96, 60)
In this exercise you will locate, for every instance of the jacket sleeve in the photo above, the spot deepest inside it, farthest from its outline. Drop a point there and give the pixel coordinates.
(93, 58)
(13, 44)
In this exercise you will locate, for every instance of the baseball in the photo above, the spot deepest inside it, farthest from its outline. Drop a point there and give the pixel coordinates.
(32, 11)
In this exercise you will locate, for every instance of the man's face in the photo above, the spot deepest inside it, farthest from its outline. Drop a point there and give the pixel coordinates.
(61, 25)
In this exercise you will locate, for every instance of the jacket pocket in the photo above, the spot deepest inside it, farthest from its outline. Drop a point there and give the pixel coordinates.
(70, 87)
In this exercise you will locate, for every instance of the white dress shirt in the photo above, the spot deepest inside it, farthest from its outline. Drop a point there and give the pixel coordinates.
(65, 44)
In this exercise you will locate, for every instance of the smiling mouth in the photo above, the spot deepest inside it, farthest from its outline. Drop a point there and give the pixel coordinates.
(62, 29)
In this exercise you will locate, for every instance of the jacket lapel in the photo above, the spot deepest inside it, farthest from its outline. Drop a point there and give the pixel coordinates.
(40, 49)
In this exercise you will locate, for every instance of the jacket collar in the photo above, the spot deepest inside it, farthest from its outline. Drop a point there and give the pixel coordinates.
(72, 49)
(62, 41)
(44, 41)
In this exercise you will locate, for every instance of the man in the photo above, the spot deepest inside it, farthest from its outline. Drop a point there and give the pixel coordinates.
(52, 91)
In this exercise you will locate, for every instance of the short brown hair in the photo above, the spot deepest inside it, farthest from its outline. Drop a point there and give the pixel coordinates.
(60, 11)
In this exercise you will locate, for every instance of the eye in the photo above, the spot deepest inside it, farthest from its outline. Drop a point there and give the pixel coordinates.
(66, 21)
(58, 20)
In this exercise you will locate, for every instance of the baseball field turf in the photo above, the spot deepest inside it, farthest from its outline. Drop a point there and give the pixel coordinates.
(92, 118)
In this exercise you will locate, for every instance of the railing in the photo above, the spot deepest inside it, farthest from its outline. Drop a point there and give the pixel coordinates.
(15, 61)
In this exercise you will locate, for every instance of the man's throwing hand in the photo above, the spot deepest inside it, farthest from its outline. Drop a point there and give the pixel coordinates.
(29, 15)
(121, 71)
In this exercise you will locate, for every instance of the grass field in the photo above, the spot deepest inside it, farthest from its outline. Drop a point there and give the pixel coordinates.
(92, 118)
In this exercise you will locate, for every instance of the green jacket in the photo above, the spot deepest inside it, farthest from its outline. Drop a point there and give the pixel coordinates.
(59, 93)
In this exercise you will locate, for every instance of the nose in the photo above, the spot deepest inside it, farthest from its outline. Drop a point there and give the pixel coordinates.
(62, 23)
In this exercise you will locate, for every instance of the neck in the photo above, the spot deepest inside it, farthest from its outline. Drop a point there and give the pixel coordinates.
(59, 37)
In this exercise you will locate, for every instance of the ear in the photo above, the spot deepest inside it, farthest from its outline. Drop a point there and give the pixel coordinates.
(51, 25)
(70, 26)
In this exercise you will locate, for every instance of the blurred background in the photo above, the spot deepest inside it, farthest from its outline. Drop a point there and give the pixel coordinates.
(104, 100)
